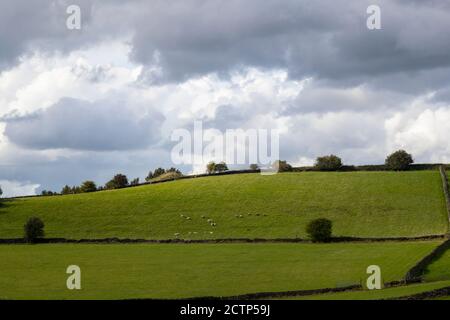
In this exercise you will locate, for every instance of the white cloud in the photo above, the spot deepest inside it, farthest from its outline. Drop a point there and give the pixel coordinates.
(16, 188)
(424, 133)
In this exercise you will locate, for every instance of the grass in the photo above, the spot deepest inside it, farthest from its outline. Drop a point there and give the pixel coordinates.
(363, 204)
(388, 293)
(179, 271)
(439, 269)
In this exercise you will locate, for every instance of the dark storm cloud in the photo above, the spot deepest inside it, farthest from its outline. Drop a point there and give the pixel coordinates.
(326, 39)
(81, 125)
(27, 26)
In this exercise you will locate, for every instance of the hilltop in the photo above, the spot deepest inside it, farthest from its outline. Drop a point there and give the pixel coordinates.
(360, 204)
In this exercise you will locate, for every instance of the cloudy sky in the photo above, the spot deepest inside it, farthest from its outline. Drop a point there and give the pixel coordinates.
(89, 103)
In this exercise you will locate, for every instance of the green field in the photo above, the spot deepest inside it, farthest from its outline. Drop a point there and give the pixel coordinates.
(439, 269)
(180, 270)
(364, 204)
(388, 293)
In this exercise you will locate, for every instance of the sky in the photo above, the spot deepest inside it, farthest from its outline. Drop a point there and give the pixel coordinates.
(85, 104)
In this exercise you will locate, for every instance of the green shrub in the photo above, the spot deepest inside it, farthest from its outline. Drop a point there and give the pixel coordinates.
(34, 229)
(319, 230)
(328, 163)
(399, 160)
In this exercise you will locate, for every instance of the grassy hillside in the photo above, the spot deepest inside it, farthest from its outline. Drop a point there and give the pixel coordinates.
(389, 293)
(365, 204)
(439, 269)
(176, 271)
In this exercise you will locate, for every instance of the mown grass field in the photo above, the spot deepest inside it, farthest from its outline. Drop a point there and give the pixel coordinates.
(388, 293)
(180, 270)
(363, 204)
(439, 269)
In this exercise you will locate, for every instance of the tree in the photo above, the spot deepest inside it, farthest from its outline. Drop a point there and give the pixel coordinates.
(254, 166)
(119, 181)
(319, 230)
(399, 160)
(281, 166)
(1, 191)
(88, 186)
(149, 176)
(211, 167)
(66, 190)
(33, 229)
(221, 167)
(134, 182)
(48, 193)
(175, 170)
(328, 163)
(158, 172)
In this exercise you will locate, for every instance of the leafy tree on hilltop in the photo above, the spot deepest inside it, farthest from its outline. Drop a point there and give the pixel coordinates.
(134, 182)
(149, 176)
(158, 172)
(399, 160)
(328, 163)
(282, 166)
(119, 181)
(221, 167)
(211, 167)
(88, 186)
(66, 190)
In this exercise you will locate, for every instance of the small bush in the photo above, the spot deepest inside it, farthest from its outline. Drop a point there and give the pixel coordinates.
(399, 160)
(328, 163)
(319, 230)
(34, 229)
